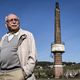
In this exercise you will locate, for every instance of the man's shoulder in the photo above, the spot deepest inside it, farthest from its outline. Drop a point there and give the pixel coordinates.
(25, 32)
(4, 36)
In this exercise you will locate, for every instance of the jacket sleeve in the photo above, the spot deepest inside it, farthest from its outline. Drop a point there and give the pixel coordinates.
(31, 61)
(0, 46)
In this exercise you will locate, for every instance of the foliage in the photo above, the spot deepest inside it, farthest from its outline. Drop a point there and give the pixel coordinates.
(44, 70)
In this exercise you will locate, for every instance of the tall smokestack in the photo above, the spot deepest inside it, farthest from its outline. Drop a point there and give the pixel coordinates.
(57, 47)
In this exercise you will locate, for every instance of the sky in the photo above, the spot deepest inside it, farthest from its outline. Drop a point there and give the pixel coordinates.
(37, 16)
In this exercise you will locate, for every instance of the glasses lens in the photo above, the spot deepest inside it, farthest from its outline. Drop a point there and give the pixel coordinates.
(11, 20)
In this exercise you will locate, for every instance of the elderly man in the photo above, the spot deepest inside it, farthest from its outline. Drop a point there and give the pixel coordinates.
(18, 52)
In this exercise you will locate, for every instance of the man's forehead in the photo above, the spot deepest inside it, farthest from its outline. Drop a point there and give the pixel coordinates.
(10, 16)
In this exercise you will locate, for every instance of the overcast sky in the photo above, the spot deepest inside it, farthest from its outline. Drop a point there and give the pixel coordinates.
(37, 16)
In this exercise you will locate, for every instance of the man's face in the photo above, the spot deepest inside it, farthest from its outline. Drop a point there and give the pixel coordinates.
(12, 23)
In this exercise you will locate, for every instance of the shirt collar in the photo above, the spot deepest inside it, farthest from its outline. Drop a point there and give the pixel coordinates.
(13, 34)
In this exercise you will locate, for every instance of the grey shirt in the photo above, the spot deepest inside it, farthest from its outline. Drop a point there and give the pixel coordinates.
(8, 54)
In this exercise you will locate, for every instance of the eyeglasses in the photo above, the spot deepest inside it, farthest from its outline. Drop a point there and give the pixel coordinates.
(11, 20)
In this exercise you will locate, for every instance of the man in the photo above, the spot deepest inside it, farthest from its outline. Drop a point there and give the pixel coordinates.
(18, 52)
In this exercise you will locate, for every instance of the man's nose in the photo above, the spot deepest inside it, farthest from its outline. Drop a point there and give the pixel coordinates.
(14, 21)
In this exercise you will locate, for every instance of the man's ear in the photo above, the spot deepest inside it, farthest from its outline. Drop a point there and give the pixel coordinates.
(6, 21)
(6, 24)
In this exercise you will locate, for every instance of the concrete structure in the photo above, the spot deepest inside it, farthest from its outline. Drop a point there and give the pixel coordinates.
(57, 46)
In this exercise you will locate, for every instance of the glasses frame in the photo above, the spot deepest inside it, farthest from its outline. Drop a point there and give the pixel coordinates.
(11, 20)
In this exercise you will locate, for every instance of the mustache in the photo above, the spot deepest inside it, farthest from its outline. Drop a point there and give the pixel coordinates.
(14, 25)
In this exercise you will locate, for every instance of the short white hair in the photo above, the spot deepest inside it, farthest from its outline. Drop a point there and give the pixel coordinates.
(6, 18)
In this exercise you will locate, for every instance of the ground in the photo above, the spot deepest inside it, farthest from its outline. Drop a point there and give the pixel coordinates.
(59, 79)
